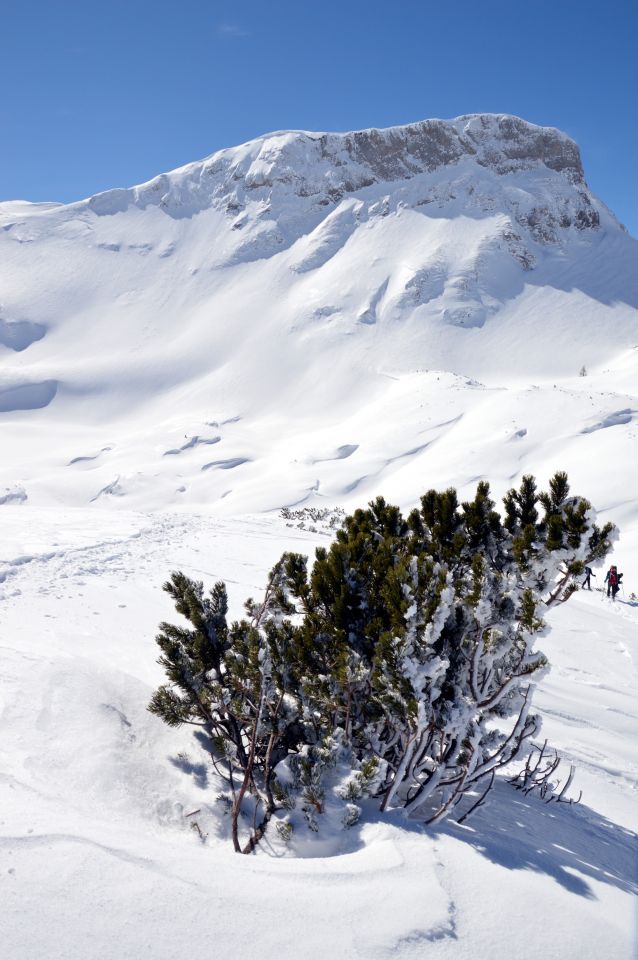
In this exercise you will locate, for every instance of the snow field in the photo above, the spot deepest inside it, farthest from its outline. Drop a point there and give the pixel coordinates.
(96, 791)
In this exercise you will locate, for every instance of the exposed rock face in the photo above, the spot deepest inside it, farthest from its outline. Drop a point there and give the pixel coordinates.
(502, 143)
(282, 187)
(351, 161)
(509, 142)
(323, 168)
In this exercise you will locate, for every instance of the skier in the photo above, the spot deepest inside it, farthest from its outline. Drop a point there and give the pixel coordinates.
(589, 573)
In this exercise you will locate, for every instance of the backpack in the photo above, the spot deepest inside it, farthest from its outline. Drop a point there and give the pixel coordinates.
(613, 577)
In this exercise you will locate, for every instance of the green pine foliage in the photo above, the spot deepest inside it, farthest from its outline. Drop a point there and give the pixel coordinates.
(406, 651)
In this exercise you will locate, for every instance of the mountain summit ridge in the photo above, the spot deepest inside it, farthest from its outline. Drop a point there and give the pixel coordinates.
(326, 166)
(276, 189)
(502, 142)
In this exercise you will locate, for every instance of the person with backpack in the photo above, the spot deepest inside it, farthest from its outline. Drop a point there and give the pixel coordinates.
(612, 580)
(589, 573)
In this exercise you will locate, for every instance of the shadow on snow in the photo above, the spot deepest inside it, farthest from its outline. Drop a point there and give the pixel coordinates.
(566, 843)
(570, 844)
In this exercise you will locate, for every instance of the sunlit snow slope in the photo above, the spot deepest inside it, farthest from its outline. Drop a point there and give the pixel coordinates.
(320, 317)
(305, 319)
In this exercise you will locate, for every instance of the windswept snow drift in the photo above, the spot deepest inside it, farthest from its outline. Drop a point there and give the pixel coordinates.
(305, 319)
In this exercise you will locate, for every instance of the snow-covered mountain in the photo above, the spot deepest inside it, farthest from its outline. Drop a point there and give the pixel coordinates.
(316, 316)
(305, 319)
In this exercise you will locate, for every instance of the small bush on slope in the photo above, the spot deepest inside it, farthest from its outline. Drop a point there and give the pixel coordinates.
(406, 652)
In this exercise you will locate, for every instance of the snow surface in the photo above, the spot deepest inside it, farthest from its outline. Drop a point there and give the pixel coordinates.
(307, 319)
(98, 859)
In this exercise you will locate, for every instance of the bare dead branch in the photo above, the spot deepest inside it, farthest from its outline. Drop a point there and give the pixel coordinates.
(480, 801)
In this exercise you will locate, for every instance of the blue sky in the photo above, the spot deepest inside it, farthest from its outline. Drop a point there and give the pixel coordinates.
(102, 94)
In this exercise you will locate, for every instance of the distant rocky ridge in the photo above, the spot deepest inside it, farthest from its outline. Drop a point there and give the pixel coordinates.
(315, 171)
(337, 163)
(279, 180)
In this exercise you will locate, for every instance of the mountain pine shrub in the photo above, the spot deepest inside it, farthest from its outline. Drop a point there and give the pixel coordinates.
(405, 655)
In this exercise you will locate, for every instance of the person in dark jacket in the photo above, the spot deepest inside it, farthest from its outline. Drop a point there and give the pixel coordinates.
(589, 573)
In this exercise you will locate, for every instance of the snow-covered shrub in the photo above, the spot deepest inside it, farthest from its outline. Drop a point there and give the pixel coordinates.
(418, 634)
(406, 653)
(236, 683)
(315, 519)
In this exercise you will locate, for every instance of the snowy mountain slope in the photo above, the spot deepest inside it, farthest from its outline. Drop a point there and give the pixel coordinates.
(307, 318)
(97, 855)
(300, 294)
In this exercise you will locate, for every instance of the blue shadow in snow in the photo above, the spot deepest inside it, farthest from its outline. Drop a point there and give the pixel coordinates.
(198, 771)
(524, 833)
